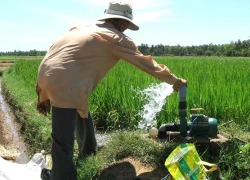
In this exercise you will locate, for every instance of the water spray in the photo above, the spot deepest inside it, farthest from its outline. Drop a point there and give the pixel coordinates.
(156, 96)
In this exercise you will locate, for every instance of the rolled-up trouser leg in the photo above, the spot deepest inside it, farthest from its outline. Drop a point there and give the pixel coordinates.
(63, 126)
(85, 135)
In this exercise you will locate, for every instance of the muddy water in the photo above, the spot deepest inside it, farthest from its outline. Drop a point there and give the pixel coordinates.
(10, 133)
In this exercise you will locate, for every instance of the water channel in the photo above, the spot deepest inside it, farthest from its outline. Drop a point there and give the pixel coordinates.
(10, 127)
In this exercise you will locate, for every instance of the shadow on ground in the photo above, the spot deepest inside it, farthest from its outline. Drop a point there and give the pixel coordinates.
(131, 170)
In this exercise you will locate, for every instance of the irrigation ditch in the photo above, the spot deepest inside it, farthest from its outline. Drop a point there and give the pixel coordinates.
(12, 145)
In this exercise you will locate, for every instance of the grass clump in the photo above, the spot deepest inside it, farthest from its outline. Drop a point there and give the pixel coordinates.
(128, 144)
(88, 168)
(235, 130)
(234, 161)
(133, 144)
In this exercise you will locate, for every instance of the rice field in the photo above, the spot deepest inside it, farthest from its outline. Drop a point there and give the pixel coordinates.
(217, 84)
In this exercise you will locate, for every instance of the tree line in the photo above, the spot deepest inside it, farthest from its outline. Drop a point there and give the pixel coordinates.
(33, 52)
(238, 48)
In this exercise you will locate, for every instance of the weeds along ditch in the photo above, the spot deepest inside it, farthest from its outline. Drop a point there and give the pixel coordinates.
(217, 84)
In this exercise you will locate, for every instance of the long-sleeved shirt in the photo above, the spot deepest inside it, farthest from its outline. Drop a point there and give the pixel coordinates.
(77, 62)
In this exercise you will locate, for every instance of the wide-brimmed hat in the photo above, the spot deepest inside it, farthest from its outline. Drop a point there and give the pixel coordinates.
(121, 11)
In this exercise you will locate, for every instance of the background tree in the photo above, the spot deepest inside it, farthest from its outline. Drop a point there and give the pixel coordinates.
(237, 48)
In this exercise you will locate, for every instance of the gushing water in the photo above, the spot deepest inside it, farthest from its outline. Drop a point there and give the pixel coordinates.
(156, 96)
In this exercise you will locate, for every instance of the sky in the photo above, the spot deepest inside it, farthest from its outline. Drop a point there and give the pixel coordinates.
(35, 24)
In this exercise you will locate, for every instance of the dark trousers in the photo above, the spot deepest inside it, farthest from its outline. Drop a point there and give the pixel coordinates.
(65, 124)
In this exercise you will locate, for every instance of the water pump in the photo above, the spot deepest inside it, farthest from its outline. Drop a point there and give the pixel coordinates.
(198, 126)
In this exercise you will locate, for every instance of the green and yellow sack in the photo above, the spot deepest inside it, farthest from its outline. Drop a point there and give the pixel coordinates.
(184, 163)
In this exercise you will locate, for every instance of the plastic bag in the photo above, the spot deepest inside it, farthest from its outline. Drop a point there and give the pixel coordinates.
(29, 171)
(184, 163)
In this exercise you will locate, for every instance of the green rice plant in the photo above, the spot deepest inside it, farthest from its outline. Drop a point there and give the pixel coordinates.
(117, 97)
(219, 85)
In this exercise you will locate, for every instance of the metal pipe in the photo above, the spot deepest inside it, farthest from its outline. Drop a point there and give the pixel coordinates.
(183, 111)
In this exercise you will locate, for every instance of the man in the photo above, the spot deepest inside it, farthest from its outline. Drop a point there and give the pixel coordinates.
(70, 71)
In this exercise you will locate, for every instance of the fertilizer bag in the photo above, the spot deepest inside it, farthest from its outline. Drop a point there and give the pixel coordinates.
(184, 163)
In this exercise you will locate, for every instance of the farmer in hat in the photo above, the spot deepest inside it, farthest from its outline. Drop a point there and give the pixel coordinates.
(71, 70)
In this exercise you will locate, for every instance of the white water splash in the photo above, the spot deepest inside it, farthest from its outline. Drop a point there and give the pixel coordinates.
(156, 96)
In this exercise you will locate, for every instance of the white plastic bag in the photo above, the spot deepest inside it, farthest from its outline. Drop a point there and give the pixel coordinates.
(29, 171)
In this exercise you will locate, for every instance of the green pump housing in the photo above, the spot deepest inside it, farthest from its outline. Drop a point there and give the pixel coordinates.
(198, 126)
(202, 125)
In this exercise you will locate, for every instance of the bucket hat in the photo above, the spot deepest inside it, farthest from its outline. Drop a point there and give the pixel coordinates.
(121, 11)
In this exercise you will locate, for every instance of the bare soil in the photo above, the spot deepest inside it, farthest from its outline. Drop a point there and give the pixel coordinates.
(5, 64)
(6, 135)
(131, 169)
(8, 146)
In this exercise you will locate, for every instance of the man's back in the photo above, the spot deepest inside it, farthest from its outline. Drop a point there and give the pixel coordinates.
(80, 59)
(76, 63)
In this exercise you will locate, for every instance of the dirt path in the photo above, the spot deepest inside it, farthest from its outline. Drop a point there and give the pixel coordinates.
(12, 145)
(4, 64)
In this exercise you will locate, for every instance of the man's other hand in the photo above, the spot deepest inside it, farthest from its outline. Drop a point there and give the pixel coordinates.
(42, 107)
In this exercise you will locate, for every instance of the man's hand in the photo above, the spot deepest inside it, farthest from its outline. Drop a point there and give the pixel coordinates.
(42, 107)
(179, 83)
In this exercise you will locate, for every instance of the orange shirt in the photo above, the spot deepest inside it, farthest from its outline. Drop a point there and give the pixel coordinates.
(77, 62)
